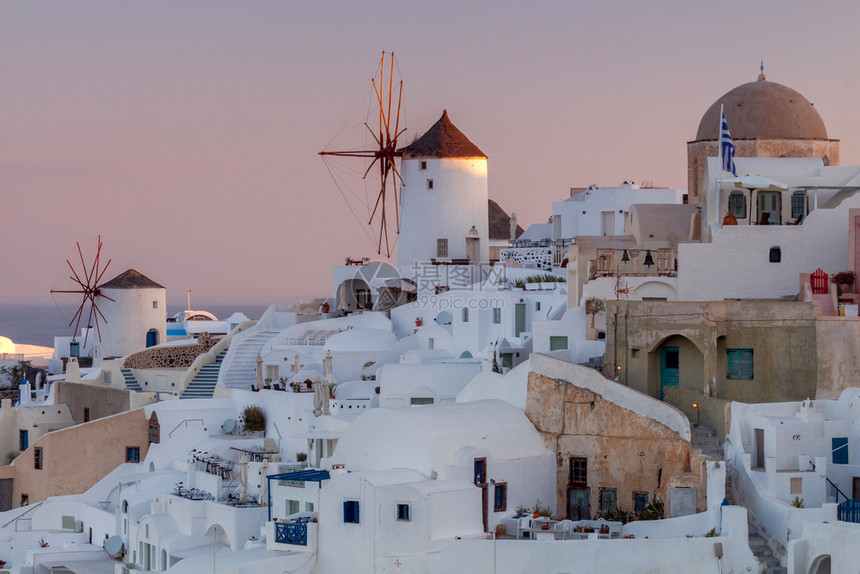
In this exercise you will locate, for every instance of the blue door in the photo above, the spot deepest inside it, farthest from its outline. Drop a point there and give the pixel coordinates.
(152, 338)
(23, 440)
(669, 368)
(840, 450)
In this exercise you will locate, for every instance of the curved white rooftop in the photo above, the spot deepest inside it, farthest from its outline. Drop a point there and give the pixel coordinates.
(424, 438)
(363, 340)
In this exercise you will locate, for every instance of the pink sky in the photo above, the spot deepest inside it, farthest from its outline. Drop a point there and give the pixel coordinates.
(152, 123)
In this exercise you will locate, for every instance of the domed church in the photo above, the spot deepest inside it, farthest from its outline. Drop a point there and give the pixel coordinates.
(765, 119)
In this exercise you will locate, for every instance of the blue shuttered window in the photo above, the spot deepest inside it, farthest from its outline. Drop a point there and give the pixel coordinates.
(739, 364)
(840, 450)
(350, 511)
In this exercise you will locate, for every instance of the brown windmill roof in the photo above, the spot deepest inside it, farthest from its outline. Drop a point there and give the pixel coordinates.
(443, 139)
(131, 279)
(500, 222)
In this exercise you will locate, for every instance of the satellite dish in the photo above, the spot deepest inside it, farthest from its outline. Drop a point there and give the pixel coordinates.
(113, 546)
(229, 426)
(443, 318)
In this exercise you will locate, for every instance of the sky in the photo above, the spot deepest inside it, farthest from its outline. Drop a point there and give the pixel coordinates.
(186, 134)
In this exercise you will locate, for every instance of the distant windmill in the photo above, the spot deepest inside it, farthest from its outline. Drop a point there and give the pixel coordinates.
(87, 282)
(383, 151)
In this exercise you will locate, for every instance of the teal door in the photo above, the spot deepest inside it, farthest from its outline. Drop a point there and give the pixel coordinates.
(669, 368)
(519, 319)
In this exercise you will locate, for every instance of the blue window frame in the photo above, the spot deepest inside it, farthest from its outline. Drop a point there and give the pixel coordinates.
(403, 512)
(739, 364)
(23, 440)
(132, 454)
(840, 450)
(480, 470)
(500, 497)
(350, 512)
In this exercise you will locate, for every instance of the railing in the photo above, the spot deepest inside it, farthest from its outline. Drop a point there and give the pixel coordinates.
(291, 533)
(832, 484)
(849, 510)
(21, 516)
(185, 424)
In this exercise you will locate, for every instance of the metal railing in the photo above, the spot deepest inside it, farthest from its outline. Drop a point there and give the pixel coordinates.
(291, 533)
(185, 424)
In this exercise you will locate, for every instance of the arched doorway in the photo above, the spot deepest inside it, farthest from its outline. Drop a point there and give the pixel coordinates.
(675, 362)
(152, 338)
(821, 565)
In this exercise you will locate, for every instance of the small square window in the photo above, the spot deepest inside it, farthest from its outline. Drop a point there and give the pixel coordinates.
(738, 204)
(558, 343)
(422, 165)
(634, 353)
(739, 364)
(537, 305)
(350, 512)
(421, 401)
(775, 255)
(403, 513)
(155, 304)
(132, 454)
(497, 316)
(86, 414)
(25, 499)
(796, 486)
(429, 184)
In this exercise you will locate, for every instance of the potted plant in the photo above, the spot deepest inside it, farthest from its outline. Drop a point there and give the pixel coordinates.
(419, 321)
(845, 279)
(325, 307)
(729, 218)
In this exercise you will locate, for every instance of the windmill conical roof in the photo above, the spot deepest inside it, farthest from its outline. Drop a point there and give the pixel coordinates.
(131, 279)
(443, 139)
(500, 222)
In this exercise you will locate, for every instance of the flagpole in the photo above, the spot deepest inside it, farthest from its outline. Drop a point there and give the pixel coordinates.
(720, 161)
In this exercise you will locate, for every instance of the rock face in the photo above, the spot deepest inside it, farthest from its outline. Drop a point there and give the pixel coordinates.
(627, 454)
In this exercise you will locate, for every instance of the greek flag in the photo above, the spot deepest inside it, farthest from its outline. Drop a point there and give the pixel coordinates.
(728, 149)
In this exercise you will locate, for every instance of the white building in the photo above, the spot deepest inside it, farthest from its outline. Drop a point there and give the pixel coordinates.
(135, 314)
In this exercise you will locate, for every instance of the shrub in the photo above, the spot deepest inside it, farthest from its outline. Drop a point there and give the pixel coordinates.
(252, 419)
(301, 456)
(654, 511)
(798, 502)
(617, 515)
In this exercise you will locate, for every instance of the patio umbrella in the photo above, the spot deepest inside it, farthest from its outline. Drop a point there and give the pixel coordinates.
(749, 181)
(264, 483)
(243, 479)
(321, 398)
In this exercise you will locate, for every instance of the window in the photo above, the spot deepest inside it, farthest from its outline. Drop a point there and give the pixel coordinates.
(86, 414)
(796, 486)
(739, 364)
(775, 255)
(422, 165)
(442, 247)
(840, 450)
(634, 353)
(125, 506)
(537, 305)
(403, 513)
(497, 316)
(640, 501)
(418, 401)
(557, 343)
(607, 499)
(738, 204)
(292, 507)
(465, 314)
(132, 454)
(500, 497)
(25, 499)
(23, 440)
(350, 512)
(155, 304)
(272, 372)
(480, 470)
(309, 506)
(38, 459)
(429, 184)
(578, 470)
(798, 204)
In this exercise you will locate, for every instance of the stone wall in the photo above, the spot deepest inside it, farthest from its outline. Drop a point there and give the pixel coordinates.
(170, 357)
(627, 449)
(101, 401)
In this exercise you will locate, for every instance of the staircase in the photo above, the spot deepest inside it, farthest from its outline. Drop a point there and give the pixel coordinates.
(130, 382)
(707, 442)
(240, 369)
(204, 382)
(763, 553)
(825, 304)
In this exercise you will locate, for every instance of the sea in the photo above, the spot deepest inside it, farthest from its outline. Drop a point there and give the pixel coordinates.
(31, 321)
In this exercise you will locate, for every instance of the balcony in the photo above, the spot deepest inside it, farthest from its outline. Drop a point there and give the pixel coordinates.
(294, 536)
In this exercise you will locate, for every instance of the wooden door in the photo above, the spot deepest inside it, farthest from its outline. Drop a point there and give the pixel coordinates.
(855, 491)
(759, 448)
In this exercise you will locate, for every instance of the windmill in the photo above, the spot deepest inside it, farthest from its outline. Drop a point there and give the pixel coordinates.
(87, 282)
(383, 151)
